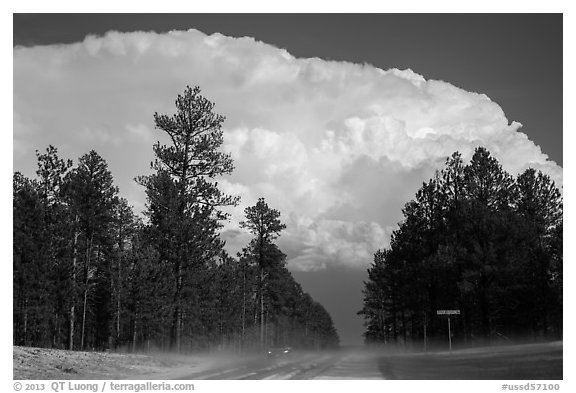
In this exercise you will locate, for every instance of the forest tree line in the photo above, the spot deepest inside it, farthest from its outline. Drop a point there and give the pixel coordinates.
(474, 239)
(88, 273)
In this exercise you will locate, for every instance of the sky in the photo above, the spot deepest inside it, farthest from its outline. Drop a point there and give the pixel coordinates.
(335, 119)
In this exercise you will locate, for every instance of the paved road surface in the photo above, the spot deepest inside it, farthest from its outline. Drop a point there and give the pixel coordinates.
(536, 361)
(322, 365)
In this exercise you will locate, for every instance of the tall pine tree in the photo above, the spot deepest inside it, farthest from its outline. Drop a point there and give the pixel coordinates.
(183, 200)
(265, 224)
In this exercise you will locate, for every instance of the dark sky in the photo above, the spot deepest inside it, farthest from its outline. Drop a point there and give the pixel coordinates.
(515, 59)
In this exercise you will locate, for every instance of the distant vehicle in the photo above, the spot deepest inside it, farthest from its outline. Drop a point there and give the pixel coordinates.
(277, 352)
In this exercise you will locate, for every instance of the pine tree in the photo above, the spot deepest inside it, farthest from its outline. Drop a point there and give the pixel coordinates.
(30, 268)
(540, 205)
(92, 197)
(183, 201)
(265, 224)
(124, 227)
(49, 235)
(51, 173)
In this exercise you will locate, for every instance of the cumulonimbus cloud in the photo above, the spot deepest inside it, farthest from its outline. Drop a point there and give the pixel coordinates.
(337, 147)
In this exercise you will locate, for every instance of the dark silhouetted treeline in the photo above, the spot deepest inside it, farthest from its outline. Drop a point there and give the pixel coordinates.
(477, 240)
(90, 274)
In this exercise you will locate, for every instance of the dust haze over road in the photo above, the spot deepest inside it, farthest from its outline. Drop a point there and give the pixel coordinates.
(521, 362)
(531, 361)
(348, 363)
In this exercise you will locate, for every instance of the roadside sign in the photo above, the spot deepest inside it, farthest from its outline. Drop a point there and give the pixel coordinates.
(448, 312)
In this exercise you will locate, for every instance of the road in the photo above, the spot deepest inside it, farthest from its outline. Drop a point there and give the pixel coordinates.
(297, 365)
(535, 361)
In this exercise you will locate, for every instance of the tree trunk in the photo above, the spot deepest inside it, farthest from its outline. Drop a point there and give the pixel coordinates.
(118, 290)
(266, 340)
(544, 296)
(403, 319)
(394, 324)
(260, 262)
(243, 307)
(86, 282)
(119, 285)
(73, 302)
(179, 271)
(55, 330)
(83, 318)
(134, 335)
(485, 308)
(176, 329)
(25, 321)
(177, 318)
(118, 322)
(261, 309)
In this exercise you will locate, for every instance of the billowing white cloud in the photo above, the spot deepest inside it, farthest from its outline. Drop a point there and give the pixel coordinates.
(337, 147)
